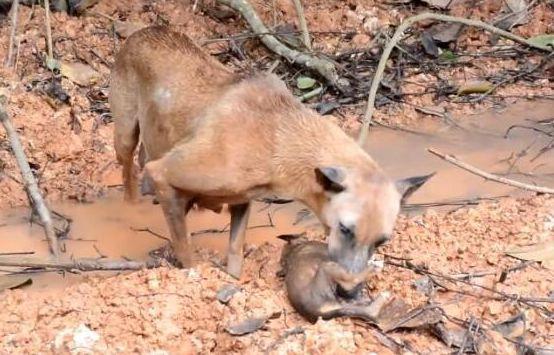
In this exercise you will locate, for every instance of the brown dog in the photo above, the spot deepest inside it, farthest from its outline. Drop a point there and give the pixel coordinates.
(211, 137)
(313, 280)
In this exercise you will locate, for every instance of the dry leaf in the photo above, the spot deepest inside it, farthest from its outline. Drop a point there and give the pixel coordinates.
(126, 28)
(247, 326)
(227, 292)
(492, 343)
(475, 87)
(543, 252)
(454, 335)
(429, 44)
(446, 32)
(439, 4)
(513, 327)
(432, 110)
(79, 73)
(517, 14)
(396, 314)
(546, 40)
(79, 6)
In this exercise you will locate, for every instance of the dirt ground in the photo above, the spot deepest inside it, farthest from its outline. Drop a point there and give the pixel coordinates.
(178, 311)
(168, 310)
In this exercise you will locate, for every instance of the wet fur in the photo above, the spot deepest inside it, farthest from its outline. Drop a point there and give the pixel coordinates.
(312, 281)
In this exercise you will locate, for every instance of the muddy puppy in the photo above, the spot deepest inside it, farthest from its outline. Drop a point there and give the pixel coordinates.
(313, 282)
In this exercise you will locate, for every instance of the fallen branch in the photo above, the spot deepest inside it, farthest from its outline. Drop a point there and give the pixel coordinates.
(302, 23)
(31, 186)
(14, 13)
(80, 264)
(396, 38)
(324, 67)
(488, 176)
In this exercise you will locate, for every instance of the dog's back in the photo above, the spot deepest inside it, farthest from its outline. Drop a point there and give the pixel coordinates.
(152, 71)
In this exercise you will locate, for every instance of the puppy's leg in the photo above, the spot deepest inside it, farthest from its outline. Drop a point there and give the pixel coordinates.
(359, 310)
(235, 255)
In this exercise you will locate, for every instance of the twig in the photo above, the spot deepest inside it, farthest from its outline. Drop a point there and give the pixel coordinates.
(15, 7)
(324, 67)
(80, 264)
(271, 33)
(469, 276)
(48, 31)
(30, 182)
(100, 254)
(501, 296)
(462, 202)
(283, 337)
(211, 230)
(148, 230)
(467, 334)
(302, 23)
(311, 94)
(512, 127)
(451, 159)
(17, 253)
(543, 150)
(397, 36)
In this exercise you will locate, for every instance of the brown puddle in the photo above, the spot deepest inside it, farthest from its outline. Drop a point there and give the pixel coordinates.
(108, 226)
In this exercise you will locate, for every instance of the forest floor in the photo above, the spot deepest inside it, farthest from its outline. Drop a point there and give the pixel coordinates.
(453, 259)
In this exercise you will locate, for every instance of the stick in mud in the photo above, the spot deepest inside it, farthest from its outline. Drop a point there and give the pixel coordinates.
(37, 202)
(302, 23)
(14, 13)
(50, 54)
(80, 264)
(488, 176)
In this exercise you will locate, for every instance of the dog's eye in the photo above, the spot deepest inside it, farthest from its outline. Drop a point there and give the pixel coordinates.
(346, 231)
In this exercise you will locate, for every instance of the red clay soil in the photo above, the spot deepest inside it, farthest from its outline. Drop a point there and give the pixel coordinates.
(175, 311)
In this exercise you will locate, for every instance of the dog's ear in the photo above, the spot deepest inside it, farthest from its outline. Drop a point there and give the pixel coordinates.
(291, 237)
(331, 178)
(406, 187)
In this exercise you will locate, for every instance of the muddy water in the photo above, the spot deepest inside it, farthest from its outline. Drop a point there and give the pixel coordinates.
(110, 227)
